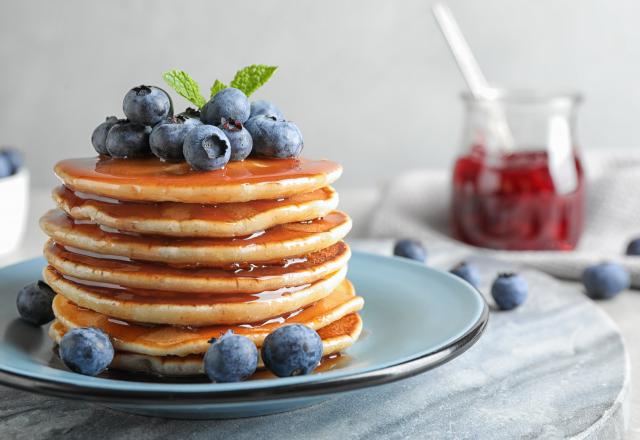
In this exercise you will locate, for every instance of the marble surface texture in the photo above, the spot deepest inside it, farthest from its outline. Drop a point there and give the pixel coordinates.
(554, 368)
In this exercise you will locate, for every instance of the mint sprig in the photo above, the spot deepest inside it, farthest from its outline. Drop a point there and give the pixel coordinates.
(248, 79)
(251, 78)
(185, 86)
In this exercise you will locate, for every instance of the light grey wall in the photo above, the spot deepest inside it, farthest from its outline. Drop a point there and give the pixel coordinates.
(370, 82)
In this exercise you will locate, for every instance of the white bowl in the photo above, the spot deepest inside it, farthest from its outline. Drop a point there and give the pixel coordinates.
(14, 199)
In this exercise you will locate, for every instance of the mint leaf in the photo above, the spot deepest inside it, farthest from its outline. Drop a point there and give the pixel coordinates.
(185, 86)
(217, 86)
(251, 78)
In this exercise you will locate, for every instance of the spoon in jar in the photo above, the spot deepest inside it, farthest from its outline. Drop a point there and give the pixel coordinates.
(473, 76)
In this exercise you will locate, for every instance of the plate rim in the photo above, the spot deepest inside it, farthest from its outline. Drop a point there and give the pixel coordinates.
(277, 390)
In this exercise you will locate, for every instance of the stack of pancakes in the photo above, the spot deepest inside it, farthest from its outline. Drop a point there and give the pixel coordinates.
(163, 258)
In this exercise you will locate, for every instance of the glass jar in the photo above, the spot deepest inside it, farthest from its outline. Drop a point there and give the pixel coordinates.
(518, 182)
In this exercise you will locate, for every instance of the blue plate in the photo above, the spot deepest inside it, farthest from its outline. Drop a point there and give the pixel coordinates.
(415, 318)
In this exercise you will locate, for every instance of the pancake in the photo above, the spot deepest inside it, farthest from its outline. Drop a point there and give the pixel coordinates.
(196, 220)
(235, 278)
(162, 307)
(151, 180)
(289, 240)
(336, 337)
(164, 340)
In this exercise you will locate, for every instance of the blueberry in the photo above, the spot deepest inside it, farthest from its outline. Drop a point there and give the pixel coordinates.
(5, 166)
(412, 249)
(231, 358)
(99, 136)
(273, 137)
(206, 148)
(292, 350)
(228, 103)
(167, 137)
(147, 105)
(605, 280)
(509, 290)
(239, 139)
(128, 139)
(15, 158)
(190, 113)
(86, 350)
(34, 303)
(634, 247)
(467, 272)
(262, 107)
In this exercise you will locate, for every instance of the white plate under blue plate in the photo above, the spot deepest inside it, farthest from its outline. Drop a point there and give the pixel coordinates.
(415, 318)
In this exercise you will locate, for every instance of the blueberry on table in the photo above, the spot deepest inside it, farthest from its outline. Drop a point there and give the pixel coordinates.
(231, 358)
(99, 135)
(509, 290)
(262, 107)
(147, 105)
(467, 272)
(633, 248)
(86, 350)
(229, 103)
(167, 137)
(292, 350)
(239, 139)
(34, 303)
(605, 280)
(411, 249)
(128, 139)
(206, 148)
(273, 137)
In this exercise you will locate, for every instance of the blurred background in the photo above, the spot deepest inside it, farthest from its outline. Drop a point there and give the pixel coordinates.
(371, 83)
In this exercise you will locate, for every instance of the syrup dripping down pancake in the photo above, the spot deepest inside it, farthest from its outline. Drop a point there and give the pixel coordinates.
(151, 180)
(196, 220)
(235, 278)
(162, 307)
(336, 337)
(279, 242)
(164, 340)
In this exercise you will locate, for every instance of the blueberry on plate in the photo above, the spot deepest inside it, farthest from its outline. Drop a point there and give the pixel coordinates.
(86, 350)
(509, 290)
(412, 249)
(231, 358)
(167, 137)
(229, 103)
(273, 137)
(267, 108)
(99, 135)
(605, 280)
(467, 272)
(292, 350)
(239, 139)
(128, 139)
(206, 148)
(34, 303)
(147, 105)
(633, 248)
(15, 158)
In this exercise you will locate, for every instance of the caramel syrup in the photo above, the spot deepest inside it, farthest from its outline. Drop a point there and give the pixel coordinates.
(151, 171)
(58, 225)
(152, 270)
(223, 212)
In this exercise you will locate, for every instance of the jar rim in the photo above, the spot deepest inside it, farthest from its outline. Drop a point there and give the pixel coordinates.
(526, 96)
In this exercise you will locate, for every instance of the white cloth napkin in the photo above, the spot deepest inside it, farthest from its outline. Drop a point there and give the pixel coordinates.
(416, 205)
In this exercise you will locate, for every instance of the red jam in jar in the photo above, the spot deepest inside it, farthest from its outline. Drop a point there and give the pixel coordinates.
(518, 202)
